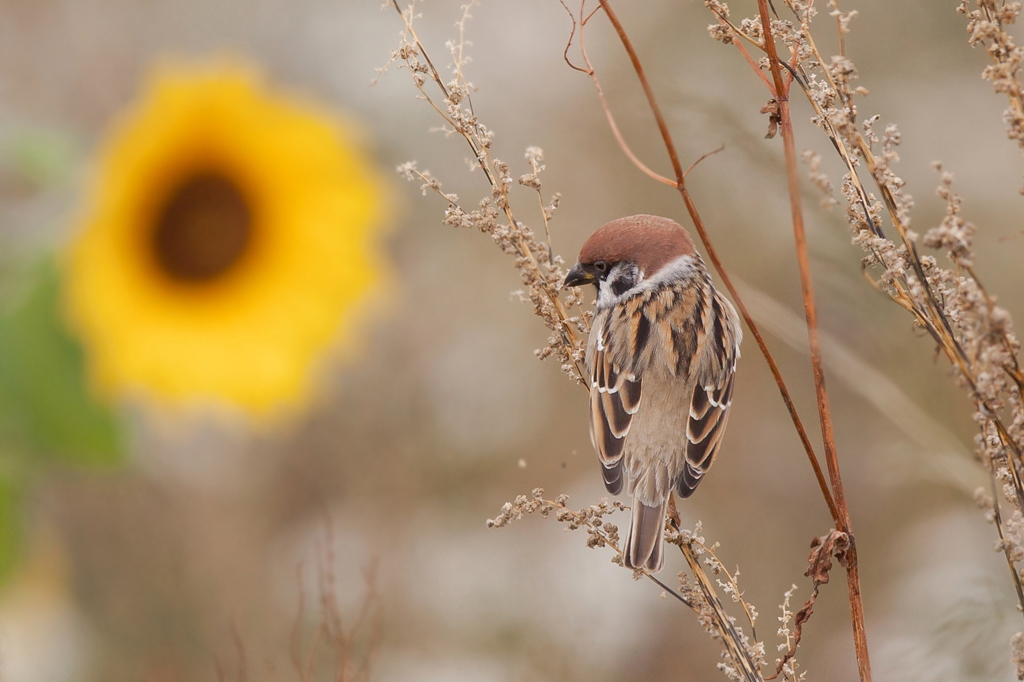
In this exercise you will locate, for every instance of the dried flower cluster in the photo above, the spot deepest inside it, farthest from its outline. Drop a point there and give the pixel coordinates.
(1017, 653)
(789, 669)
(986, 26)
(599, 532)
(539, 268)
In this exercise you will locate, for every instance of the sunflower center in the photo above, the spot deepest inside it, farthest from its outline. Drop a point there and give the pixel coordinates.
(203, 229)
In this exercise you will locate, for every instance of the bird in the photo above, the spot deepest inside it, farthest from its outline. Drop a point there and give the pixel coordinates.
(661, 359)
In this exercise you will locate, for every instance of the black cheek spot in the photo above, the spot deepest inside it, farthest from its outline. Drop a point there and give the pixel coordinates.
(621, 286)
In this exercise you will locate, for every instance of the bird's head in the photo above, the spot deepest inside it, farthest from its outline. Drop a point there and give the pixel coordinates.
(627, 252)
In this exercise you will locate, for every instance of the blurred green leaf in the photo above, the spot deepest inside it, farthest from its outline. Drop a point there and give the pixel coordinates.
(42, 157)
(45, 404)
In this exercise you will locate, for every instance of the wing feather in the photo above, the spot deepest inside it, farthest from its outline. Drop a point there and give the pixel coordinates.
(615, 395)
(709, 414)
(712, 397)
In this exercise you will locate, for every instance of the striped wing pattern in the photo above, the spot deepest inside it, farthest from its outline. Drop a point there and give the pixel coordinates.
(614, 399)
(709, 409)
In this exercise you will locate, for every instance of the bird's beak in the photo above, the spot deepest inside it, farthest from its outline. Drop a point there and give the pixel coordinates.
(577, 277)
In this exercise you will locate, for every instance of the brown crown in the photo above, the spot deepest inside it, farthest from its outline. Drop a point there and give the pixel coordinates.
(650, 241)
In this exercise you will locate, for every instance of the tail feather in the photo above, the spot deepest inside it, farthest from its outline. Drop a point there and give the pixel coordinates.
(644, 546)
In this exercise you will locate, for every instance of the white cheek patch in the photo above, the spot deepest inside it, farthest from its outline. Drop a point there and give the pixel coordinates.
(606, 298)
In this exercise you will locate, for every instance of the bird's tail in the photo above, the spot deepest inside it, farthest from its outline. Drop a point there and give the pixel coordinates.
(644, 548)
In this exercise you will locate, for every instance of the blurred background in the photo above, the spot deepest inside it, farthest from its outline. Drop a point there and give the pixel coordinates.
(201, 439)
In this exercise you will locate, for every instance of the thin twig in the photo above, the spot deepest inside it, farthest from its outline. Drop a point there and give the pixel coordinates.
(589, 70)
(666, 136)
(726, 627)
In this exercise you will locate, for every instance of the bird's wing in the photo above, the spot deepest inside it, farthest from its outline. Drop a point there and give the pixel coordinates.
(614, 399)
(712, 396)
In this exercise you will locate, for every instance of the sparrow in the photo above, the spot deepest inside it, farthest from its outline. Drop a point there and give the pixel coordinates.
(661, 359)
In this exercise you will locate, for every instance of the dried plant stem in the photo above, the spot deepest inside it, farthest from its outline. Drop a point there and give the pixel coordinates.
(730, 636)
(1002, 540)
(589, 70)
(737, 645)
(814, 341)
(666, 136)
(348, 652)
(917, 293)
(698, 223)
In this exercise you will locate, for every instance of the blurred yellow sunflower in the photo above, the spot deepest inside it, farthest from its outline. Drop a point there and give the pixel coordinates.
(231, 237)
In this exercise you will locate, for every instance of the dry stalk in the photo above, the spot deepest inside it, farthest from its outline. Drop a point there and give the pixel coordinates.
(335, 650)
(781, 116)
(352, 649)
(742, 658)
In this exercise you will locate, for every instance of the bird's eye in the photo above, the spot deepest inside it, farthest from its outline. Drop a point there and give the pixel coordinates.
(601, 266)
